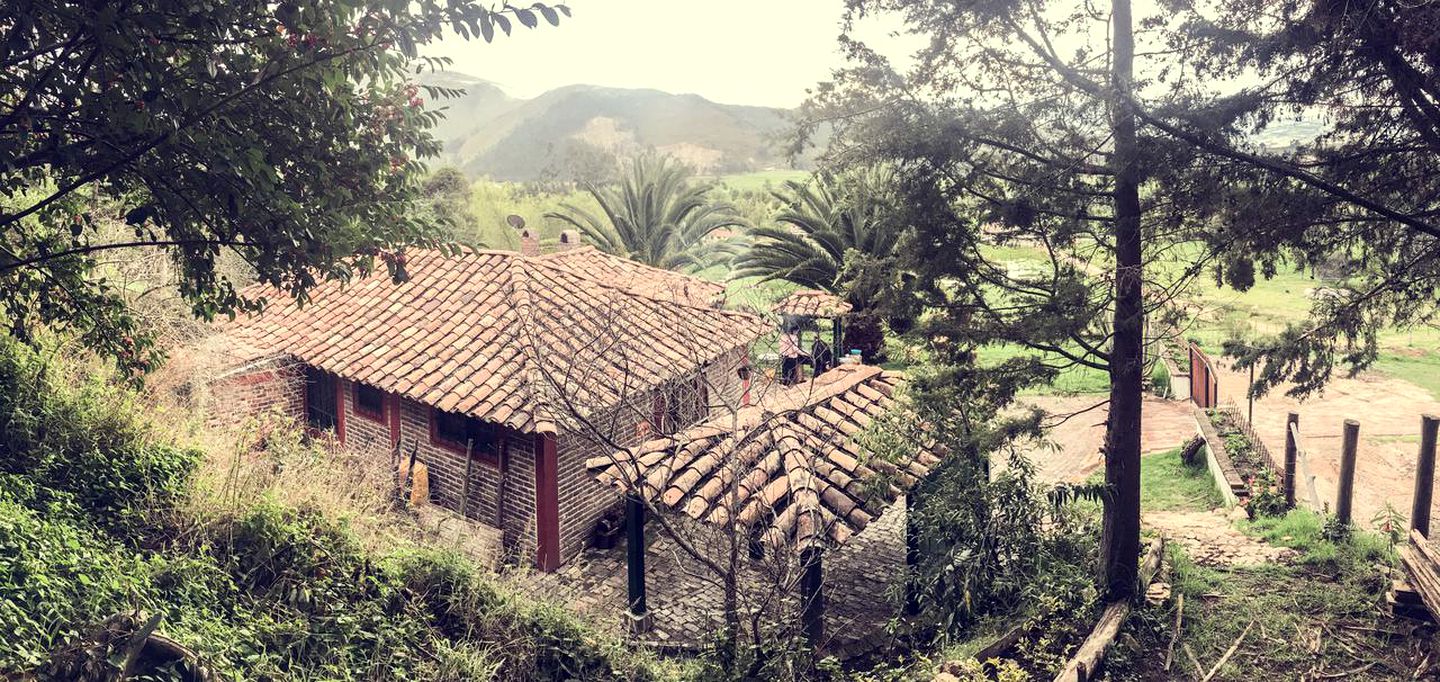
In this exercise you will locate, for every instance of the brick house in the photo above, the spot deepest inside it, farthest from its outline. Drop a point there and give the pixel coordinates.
(530, 363)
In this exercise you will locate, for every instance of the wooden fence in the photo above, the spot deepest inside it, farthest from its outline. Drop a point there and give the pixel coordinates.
(1204, 387)
(1276, 465)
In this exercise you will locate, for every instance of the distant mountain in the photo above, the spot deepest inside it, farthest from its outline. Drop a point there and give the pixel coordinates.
(570, 131)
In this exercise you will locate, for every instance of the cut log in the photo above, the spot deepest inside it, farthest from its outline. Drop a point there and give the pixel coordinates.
(1190, 454)
(1001, 644)
(1091, 653)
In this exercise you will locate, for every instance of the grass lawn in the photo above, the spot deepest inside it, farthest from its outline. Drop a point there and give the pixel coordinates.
(1273, 304)
(1072, 380)
(760, 180)
(1167, 484)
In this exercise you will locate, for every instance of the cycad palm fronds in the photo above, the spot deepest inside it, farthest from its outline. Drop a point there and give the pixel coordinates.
(821, 223)
(655, 216)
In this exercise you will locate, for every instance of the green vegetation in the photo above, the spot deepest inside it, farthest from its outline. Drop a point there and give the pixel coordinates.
(762, 181)
(98, 518)
(1168, 484)
(657, 215)
(1327, 607)
(1070, 379)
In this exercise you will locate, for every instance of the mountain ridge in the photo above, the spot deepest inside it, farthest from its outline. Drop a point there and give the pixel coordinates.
(575, 131)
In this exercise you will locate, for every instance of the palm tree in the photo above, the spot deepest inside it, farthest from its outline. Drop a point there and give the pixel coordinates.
(656, 216)
(835, 234)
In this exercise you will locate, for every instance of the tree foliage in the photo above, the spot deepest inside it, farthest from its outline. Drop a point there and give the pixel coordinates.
(285, 132)
(1362, 188)
(657, 215)
(837, 233)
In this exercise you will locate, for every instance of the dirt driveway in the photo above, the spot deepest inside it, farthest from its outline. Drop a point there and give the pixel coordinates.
(1389, 413)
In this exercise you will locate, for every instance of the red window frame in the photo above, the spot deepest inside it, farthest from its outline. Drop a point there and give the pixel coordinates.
(483, 455)
(379, 416)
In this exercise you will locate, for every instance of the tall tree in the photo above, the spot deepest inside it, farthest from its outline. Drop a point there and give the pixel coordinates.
(285, 132)
(657, 215)
(1000, 140)
(1365, 76)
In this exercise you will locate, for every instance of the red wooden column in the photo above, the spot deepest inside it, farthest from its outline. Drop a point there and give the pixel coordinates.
(339, 408)
(394, 419)
(547, 504)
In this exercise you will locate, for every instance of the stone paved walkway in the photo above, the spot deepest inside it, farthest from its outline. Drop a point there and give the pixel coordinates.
(1210, 538)
(685, 598)
(1071, 451)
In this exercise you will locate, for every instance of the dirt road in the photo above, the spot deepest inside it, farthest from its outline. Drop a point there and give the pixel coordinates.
(1389, 413)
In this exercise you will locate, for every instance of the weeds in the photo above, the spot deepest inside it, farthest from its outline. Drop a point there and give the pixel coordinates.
(99, 528)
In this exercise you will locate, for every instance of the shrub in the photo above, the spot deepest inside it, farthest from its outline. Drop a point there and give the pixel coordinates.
(1160, 380)
(85, 443)
(864, 331)
(261, 590)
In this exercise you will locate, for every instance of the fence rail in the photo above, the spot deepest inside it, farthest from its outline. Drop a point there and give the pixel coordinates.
(1230, 408)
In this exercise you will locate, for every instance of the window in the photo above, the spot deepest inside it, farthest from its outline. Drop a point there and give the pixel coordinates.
(369, 402)
(453, 431)
(320, 395)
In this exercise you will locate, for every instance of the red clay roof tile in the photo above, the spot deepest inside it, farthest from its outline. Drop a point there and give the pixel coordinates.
(500, 336)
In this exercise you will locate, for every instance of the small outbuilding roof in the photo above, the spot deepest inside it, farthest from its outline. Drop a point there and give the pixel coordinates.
(812, 303)
(795, 463)
(496, 335)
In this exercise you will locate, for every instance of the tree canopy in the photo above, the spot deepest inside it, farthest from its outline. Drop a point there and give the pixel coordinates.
(657, 214)
(837, 233)
(288, 133)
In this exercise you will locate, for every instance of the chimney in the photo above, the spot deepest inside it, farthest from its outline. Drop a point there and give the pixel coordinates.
(570, 239)
(529, 243)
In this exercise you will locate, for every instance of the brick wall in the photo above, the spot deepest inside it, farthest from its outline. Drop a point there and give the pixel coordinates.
(279, 385)
(274, 384)
(513, 512)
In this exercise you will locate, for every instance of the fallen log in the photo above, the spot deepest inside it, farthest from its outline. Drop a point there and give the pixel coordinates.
(1091, 653)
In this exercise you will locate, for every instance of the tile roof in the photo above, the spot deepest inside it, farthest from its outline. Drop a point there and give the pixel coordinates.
(802, 475)
(501, 336)
(643, 279)
(812, 303)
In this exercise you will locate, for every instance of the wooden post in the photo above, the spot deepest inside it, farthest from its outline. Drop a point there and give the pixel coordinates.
(812, 597)
(1347, 471)
(912, 557)
(469, 468)
(1291, 451)
(1424, 475)
(1250, 397)
(638, 613)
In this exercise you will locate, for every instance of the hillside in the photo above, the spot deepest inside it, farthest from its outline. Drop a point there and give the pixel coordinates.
(564, 132)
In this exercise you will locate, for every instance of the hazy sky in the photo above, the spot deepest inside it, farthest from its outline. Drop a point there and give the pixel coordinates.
(738, 52)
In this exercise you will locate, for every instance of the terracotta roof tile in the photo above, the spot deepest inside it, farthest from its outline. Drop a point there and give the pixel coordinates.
(800, 474)
(812, 303)
(495, 335)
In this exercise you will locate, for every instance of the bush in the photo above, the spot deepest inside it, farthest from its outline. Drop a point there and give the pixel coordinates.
(84, 444)
(1160, 380)
(263, 591)
(864, 331)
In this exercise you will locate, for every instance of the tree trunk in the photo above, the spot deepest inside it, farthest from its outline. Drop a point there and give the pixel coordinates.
(730, 644)
(1120, 538)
